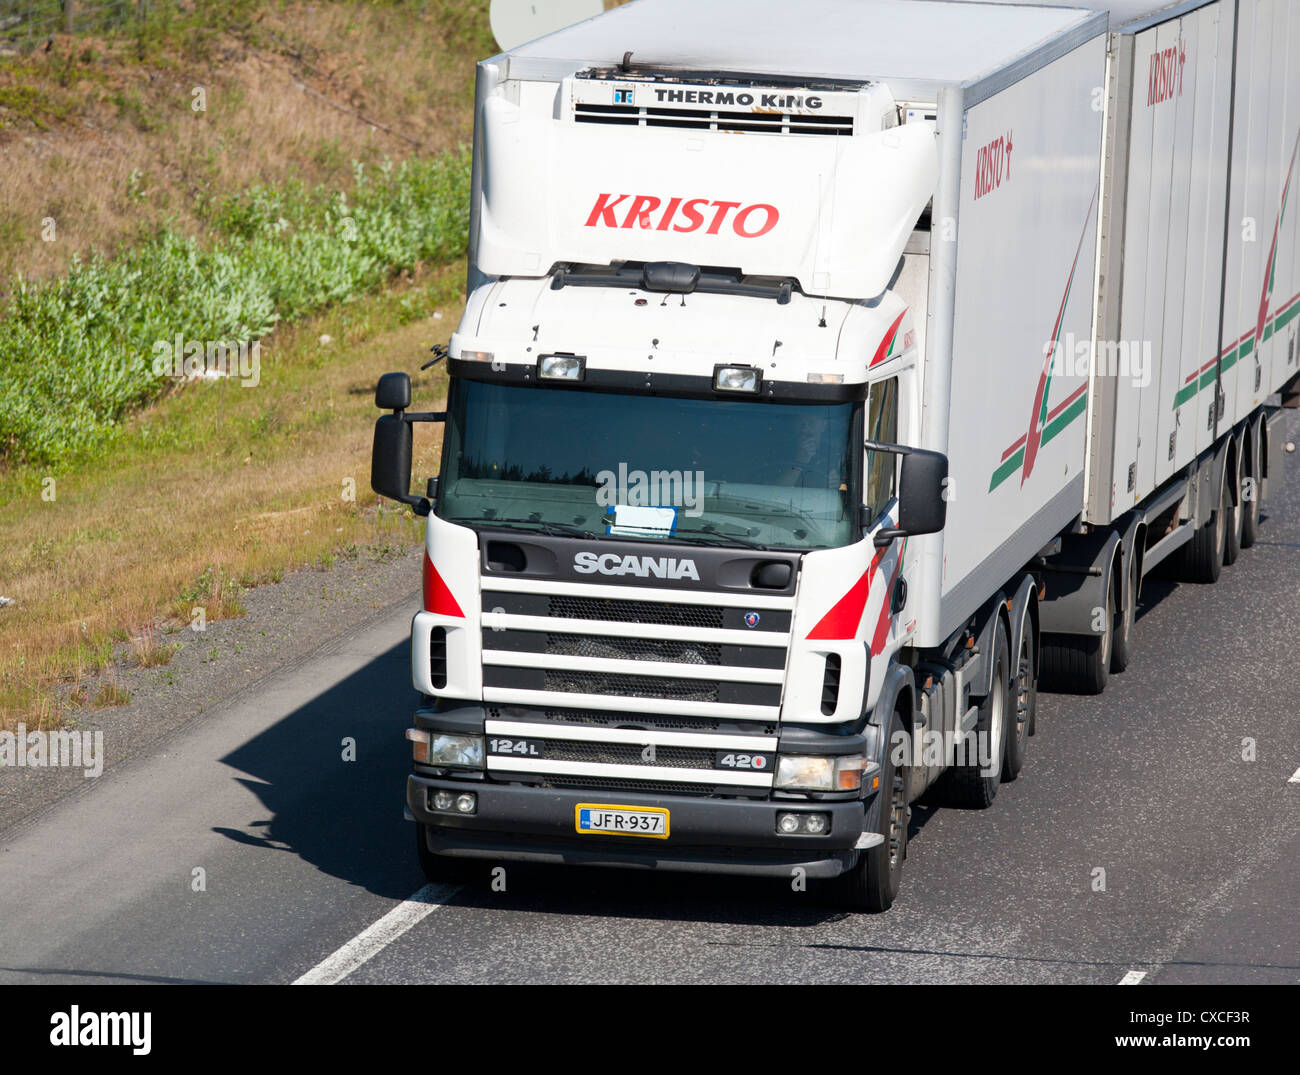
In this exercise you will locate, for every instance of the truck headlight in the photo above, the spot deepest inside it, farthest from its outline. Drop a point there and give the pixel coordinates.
(799, 772)
(737, 378)
(561, 367)
(465, 751)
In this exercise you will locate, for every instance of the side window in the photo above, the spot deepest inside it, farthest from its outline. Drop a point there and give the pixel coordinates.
(882, 425)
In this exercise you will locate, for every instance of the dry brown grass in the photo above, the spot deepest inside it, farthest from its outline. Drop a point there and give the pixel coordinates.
(217, 488)
(108, 146)
(214, 490)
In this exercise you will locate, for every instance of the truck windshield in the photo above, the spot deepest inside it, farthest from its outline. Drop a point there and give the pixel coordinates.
(713, 471)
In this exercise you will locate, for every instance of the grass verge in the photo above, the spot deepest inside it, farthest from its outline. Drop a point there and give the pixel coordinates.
(208, 492)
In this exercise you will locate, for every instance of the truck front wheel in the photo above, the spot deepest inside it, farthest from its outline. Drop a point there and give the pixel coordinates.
(872, 885)
(440, 869)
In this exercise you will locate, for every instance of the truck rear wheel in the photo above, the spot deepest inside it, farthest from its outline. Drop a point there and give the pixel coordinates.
(1080, 664)
(973, 786)
(872, 885)
(1122, 651)
(1025, 697)
(1202, 557)
(1236, 515)
(1254, 476)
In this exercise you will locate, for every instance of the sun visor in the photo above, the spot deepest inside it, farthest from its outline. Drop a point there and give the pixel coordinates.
(833, 212)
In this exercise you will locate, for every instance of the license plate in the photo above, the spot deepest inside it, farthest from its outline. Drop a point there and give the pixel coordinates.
(604, 819)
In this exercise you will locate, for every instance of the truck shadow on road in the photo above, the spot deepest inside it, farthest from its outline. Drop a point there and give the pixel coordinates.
(345, 818)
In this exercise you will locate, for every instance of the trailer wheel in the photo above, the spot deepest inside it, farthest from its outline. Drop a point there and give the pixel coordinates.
(1202, 557)
(968, 785)
(1080, 664)
(1255, 477)
(1020, 724)
(872, 885)
(1235, 515)
(440, 869)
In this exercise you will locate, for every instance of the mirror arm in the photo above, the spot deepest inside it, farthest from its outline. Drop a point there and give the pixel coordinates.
(886, 537)
(892, 449)
(421, 416)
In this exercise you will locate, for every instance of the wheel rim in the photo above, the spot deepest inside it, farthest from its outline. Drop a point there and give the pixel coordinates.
(1024, 685)
(1108, 637)
(997, 714)
(1236, 508)
(897, 820)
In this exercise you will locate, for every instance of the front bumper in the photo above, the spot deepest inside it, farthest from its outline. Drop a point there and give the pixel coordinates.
(519, 823)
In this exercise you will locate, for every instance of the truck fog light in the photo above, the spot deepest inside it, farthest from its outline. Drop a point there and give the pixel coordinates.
(442, 800)
(736, 378)
(561, 367)
(801, 823)
(467, 802)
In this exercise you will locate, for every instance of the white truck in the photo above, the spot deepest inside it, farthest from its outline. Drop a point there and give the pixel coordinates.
(831, 376)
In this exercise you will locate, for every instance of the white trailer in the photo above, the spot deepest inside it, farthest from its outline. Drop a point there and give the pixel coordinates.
(788, 438)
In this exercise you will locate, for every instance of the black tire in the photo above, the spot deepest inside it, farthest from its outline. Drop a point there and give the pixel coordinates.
(968, 786)
(1255, 472)
(1080, 664)
(1122, 647)
(1024, 696)
(1202, 558)
(441, 869)
(1236, 515)
(873, 883)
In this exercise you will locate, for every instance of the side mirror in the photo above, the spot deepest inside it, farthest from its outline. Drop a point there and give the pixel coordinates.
(390, 461)
(393, 393)
(922, 492)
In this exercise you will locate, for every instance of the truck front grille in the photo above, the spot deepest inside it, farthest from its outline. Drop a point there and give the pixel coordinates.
(669, 615)
(684, 690)
(634, 649)
(649, 721)
(629, 754)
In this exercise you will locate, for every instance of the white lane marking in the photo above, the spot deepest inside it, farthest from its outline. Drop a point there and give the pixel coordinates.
(1295, 777)
(375, 938)
(1133, 977)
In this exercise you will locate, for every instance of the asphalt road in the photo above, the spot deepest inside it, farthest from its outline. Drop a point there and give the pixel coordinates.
(302, 852)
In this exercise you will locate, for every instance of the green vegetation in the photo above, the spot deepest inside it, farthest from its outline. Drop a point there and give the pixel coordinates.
(77, 352)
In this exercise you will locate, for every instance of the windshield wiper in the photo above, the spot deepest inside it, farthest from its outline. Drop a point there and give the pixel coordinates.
(544, 525)
(721, 539)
